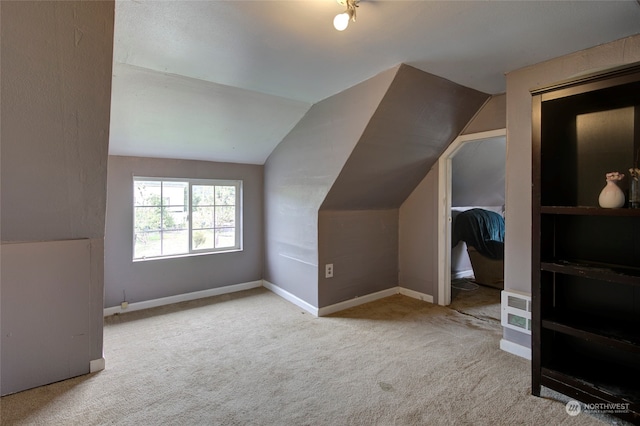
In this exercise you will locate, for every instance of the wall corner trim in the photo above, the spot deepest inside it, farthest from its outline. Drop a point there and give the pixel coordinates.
(341, 306)
(415, 294)
(146, 304)
(96, 365)
(515, 349)
(361, 300)
(327, 310)
(290, 297)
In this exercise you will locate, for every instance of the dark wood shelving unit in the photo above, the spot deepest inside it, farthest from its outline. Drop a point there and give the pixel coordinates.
(600, 271)
(615, 335)
(591, 389)
(589, 211)
(586, 259)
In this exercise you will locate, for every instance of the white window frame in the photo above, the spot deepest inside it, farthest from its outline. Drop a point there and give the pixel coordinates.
(191, 250)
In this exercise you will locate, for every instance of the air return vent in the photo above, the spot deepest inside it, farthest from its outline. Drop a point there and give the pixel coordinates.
(516, 311)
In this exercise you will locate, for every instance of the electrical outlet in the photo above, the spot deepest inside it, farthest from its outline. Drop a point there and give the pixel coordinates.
(124, 305)
(328, 270)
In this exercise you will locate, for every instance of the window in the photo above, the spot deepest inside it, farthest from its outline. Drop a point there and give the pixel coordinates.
(178, 217)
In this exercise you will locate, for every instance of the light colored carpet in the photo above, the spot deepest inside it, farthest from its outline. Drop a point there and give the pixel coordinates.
(480, 301)
(251, 358)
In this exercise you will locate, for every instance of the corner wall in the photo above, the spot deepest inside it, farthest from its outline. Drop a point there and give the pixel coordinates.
(55, 102)
(418, 237)
(418, 218)
(418, 117)
(362, 245)
(298, 175)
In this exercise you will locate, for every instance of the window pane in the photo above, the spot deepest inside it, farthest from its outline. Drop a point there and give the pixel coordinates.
(175, 193)
(225, 217)
(202, 217)
(146, 193)
(225, 237)
(175, 242)
(167, 222)
(175, 218)
(146, 244)
(202, 195)
(147, 218)
(225, 195)
(203, 239)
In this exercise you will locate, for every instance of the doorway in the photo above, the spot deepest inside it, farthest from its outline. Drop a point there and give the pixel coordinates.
(479, 165)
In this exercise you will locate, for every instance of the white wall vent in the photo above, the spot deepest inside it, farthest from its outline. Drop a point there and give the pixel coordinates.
(516, 311)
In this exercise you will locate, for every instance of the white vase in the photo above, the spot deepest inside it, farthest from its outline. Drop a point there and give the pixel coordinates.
(611, 196)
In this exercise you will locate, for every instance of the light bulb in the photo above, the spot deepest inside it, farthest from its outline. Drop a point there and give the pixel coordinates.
(341, 21)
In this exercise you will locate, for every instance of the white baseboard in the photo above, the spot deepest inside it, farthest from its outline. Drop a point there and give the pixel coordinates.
(290, 297)
(327, 310)
(357, 301)
(136, 306)
(416, 294)
(515, 349)
(97, 365)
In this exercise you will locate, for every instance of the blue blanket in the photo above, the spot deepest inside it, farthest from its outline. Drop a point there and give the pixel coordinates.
(481, 229)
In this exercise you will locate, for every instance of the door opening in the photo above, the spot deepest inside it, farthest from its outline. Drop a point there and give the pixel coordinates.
(452, 196)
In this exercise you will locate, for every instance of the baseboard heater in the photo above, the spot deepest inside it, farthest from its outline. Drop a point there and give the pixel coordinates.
(516, 311)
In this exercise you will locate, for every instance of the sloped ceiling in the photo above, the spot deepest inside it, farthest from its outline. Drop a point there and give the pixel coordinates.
(416, 120)
(171, 116)
(478, 173)
(289, 52)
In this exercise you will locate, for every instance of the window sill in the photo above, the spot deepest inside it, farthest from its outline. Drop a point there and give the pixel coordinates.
(179, 256)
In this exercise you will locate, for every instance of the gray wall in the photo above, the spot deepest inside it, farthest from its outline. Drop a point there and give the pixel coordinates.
(478, 173)
(298, 175)
(403, 139)
(363, 154)
(55, 102)
(418, 218)
(418, 237)
(362, 245)
(416, 120)
(492, 116)
(158, 278)
(519, 84)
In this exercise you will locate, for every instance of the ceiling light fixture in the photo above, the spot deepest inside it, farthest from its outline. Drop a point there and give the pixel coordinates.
(341, 21)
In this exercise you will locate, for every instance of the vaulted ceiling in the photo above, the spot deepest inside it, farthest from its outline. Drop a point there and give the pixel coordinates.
(227, 80)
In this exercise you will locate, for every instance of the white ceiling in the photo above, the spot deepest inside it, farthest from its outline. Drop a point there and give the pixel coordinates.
(227, 80)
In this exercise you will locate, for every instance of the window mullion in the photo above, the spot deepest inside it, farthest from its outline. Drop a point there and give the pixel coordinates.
(162, 217)
(238, 213)
(190, 217)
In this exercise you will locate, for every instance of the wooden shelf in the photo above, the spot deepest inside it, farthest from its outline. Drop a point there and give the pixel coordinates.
(593, 389)
(585, 277)
(615, 334)
(589, 211)
(593, 270)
